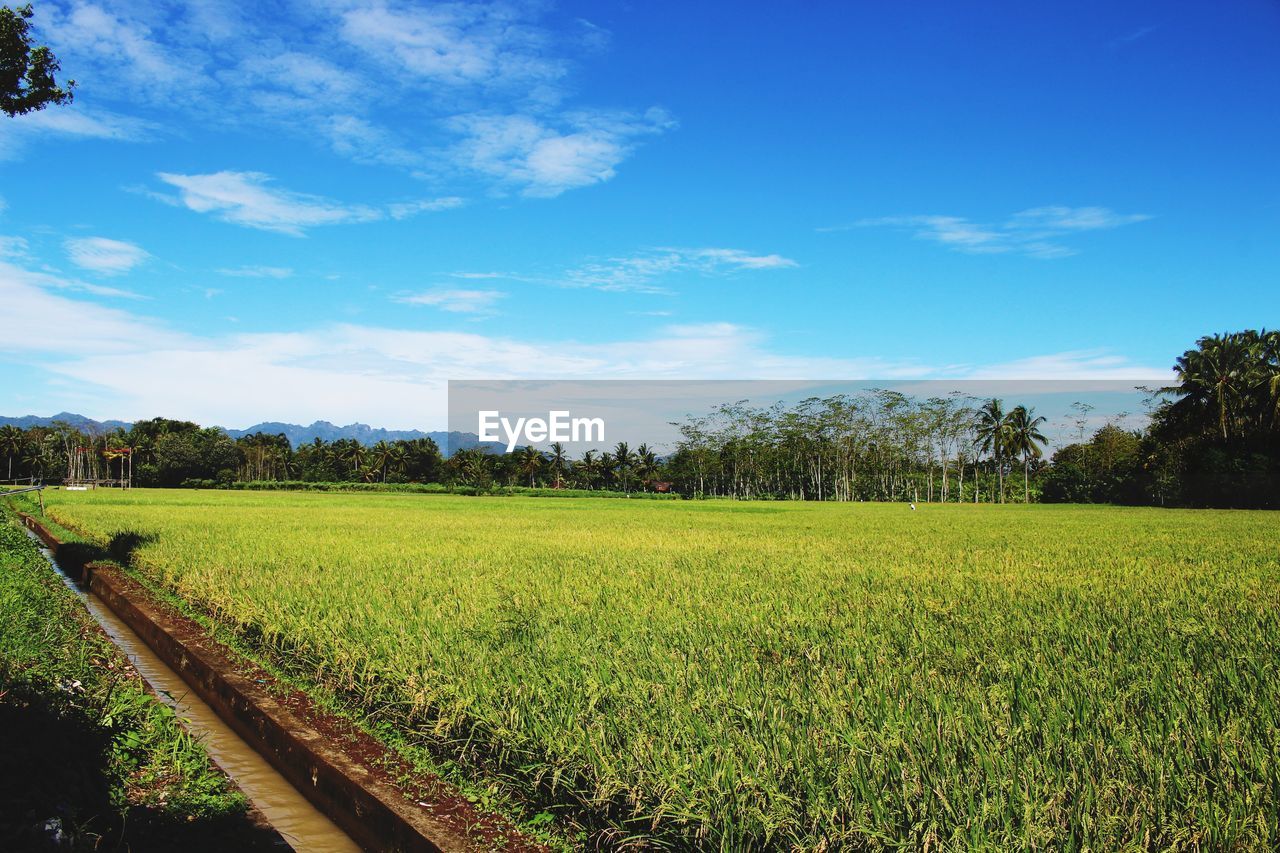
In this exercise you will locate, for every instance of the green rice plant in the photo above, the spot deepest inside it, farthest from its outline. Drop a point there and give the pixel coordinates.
(786, 675)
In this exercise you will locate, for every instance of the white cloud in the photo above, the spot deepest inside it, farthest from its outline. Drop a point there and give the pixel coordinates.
(459, 44)
(482, 275)
(250, 199)
(255, 271)
(39, 320)
(644, 271)
(78, 122)
(295, 82)
(366, 142)
(471, 87)
(1059, 218)
(104, 255)
(456, 301)
(1035, 232)
(13, 248)
(246, 198)
(120, 364)
(404, 210)
(738, 258)
(134, 54)
(544, 160)
(1077, 364)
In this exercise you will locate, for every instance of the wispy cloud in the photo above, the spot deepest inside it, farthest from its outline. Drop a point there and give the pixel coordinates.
(84, 122)
(13, 248)
(545, 159)
(254, 271)
(50, 282)
(459, 44)
(1057, 218)
(251, 199)
(1139, 33)
(647, 271)
(403, 210)
(247, 198)
(1077, 364)
(463, 89)
(104, 255)
(737, 258)
(458, 301)
(292, 82)
(483, 275)
(1036, 232)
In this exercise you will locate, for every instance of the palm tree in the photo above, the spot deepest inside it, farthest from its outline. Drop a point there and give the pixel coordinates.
(558, 461)
(530, 462)
(471, 466)
(41, 456)
(1213, 378)
(646, 463)
(993, 432)
(622, 459)
(1025, 438)
(355, 453)
(397, 459)
(590, 467)
(12, 440)
(381, 457)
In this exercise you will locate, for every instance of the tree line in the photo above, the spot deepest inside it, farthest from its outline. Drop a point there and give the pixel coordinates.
(1213, 440)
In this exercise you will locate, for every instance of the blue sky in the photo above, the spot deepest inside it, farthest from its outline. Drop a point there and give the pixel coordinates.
(326, 210)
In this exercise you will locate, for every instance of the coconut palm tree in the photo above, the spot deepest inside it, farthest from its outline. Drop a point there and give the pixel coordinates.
(380, 457)
(621, 464)
(397, 459)
(646, 463)
(530, 462)
(346, 451)
(1025, 438)
(992, 430)
(41, 456)
(12, 441)
(589, 468)
(1213, 381)
(558, 462)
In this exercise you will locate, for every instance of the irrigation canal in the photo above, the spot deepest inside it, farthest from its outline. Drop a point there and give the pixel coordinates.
(305, 828)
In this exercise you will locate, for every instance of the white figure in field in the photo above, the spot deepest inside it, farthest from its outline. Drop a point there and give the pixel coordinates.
(913, 506)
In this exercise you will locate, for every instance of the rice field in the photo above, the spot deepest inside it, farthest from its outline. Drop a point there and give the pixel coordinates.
(744, 675)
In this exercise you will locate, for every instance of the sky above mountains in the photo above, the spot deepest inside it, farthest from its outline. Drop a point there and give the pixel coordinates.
(323, 211)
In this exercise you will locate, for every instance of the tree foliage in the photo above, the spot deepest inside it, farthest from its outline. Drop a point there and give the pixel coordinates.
(27, 72)
(1214, 439)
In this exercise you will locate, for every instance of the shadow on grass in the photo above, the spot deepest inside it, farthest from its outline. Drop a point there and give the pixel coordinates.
(56, 783)
(74, 556)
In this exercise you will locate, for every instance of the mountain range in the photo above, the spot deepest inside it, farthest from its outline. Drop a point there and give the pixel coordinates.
(296, 433)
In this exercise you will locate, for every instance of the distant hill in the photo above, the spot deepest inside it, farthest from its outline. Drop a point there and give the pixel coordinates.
(80, 422)
(296, 433)
(363, 433)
